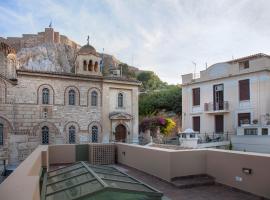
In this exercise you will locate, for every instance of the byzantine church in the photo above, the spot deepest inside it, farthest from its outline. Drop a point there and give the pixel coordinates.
(60, 107)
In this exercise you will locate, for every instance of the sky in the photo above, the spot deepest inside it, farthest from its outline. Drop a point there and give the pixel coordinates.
(166, 36)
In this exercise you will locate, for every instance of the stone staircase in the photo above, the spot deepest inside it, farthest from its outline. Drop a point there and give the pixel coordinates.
(193, 181)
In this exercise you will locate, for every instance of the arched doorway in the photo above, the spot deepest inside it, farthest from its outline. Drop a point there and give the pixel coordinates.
(120, 133)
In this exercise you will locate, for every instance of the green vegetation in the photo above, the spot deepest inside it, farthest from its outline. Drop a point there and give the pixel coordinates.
(167, 99)
(126, 71)
(150, 81)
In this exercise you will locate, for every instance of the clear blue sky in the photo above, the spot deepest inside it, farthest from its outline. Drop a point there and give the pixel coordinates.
(161, 35)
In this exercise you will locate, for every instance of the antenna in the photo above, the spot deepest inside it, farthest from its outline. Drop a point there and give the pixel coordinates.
(205, 65)
(195, 64)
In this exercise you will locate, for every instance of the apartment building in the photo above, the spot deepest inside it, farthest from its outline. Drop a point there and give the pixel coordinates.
(230, 97)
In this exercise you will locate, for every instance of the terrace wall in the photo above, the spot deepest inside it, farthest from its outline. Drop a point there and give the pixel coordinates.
(225, 166)
(23, 183)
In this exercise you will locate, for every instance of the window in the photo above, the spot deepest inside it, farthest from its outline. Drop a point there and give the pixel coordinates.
(243, 118)
(244, 93)
(196, 96)
(94, 134)
(90, 65)
(120, 100)
(250, 131)
(72, 135)
(94, 98)
(244, 65)
(1, 134)
(45, 96)
(71, 97)
(84, 65)
(264, 131)
(45, 135)
(196, 124)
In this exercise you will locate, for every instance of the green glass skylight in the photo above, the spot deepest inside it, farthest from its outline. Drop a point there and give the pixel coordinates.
(94, 182)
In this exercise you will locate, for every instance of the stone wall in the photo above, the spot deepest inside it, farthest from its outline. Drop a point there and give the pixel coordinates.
(32, 40)
(23, 110)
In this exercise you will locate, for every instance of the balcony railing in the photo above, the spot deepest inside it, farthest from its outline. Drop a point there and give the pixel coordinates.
(217, 106)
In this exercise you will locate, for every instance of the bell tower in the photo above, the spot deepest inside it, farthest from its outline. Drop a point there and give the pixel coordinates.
(88, 60)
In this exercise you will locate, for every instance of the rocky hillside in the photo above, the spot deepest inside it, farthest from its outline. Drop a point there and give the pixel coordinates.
(47, 57)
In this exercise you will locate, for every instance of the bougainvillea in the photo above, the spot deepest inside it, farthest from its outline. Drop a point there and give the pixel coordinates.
(166, 125)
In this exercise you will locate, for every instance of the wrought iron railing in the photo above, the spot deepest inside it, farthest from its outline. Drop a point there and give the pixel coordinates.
(216, 106)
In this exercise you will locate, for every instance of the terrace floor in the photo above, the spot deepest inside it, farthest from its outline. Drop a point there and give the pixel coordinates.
(212, 192)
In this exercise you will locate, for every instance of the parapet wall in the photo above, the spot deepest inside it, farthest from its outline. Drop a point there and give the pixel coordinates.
(225, 166)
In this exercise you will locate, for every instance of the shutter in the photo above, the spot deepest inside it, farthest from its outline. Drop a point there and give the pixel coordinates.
(196, 124)
(196, 96)
(244, 93)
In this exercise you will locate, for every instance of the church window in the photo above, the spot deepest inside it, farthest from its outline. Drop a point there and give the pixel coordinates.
(45, 135)
(90, 65)
(71, 97)
(1, 134)
(84, 65)
(94, 98)
(95, 134)
(120, 100)
(72, 135)
(45, 96)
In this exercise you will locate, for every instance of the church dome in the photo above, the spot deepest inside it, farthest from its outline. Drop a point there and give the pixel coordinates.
(87, 49)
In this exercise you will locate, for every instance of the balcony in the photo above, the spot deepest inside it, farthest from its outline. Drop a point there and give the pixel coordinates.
(217, 107)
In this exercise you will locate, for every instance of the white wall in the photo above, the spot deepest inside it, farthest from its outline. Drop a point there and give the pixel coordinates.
(257, 105)
(252, 143)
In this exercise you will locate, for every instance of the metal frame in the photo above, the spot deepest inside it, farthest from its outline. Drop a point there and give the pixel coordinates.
(104, 187)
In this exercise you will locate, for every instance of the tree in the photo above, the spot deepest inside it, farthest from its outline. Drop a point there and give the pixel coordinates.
(150, 81)
(168, 99)
(126, 72)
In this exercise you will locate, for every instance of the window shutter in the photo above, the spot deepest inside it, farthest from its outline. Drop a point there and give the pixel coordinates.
(196, 96)
(244, 93)
(196, 124)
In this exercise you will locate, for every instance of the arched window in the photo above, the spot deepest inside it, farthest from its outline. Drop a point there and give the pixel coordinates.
(94, 134)
(45, 135)
(71, 97)
(90, 65)
(45, 96)
(84, 65)
(72, 135)
(96, 66)
(94, 98)
(120, 100)
(1, 134)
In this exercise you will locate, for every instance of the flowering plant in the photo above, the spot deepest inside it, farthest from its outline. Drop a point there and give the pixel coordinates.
(166, 125)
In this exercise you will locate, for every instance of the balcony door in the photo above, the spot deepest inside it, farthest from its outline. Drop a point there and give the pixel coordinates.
(218, 94)
(219, 123)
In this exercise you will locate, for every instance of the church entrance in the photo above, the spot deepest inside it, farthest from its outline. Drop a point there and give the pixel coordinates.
(120, 133)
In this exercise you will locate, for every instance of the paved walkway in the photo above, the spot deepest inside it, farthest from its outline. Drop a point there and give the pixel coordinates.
(213, 192)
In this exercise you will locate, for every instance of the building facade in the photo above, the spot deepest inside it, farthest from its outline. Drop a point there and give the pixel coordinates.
(229, 97)
(57, 108)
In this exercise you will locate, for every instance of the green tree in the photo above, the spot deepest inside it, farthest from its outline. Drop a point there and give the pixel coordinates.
(126, 71)
(168, 99)
(150, 81)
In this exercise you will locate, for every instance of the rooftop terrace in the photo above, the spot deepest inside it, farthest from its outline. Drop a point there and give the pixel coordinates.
(238, 175)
